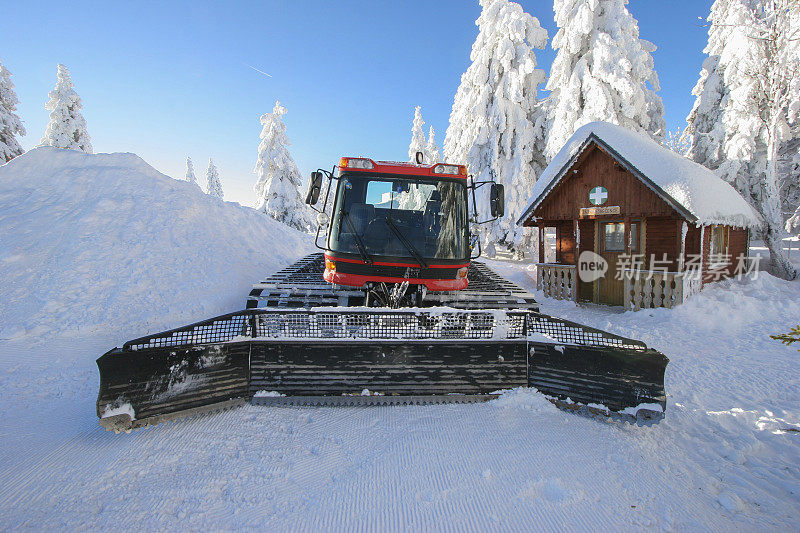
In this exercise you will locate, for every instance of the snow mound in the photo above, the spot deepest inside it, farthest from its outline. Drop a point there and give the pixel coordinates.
(528, 399)
(701, 192)
(105, 241)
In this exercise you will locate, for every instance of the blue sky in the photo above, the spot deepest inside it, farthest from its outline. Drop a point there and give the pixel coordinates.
(171, 79)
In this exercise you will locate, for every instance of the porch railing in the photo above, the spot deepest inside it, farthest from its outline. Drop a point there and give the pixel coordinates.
(650, 289)
(557, 281)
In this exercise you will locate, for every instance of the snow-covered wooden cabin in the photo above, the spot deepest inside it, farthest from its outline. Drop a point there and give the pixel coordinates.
(662, 224)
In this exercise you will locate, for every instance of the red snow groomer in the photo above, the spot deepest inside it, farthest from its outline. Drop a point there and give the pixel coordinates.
(395, 310)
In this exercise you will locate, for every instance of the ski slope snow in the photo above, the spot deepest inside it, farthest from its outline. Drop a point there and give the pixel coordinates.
(98, 242)
(77, 281)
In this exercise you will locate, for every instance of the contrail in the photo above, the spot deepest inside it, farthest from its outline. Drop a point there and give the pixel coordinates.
(258, 70)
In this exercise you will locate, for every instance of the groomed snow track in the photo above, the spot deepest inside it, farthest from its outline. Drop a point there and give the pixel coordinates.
(313, 345)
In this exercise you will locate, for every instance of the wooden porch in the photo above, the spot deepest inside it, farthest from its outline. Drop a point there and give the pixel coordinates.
(643, 289)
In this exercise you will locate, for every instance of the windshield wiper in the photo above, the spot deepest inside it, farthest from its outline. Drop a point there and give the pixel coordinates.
(362, 250)
(410, 247)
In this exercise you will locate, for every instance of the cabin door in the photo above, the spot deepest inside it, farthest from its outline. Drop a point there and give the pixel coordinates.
(611, 237)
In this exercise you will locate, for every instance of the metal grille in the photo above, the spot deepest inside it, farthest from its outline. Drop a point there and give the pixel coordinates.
(399, 324)
(566, 332)
(311, 325)
(216, 330)
(384, 324)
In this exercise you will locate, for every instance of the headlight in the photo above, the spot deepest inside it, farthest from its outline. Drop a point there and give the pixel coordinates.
(447, 169)
(462, 272)
(356, 162)
(330, 265)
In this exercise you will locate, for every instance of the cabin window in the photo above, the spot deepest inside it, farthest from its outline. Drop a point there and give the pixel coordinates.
(614, 237)
(719, 244)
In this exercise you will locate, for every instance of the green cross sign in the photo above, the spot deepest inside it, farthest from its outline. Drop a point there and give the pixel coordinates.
(598, 195)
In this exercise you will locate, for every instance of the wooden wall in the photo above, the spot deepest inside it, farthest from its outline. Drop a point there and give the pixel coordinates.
(692, 240)
(565, 243)
(662, 236)
(597, 168)
(737, 245)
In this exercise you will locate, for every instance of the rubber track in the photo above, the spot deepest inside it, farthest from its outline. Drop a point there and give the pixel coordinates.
(301, 285)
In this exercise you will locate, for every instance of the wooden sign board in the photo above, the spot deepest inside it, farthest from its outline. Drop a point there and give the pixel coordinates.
(599, 211)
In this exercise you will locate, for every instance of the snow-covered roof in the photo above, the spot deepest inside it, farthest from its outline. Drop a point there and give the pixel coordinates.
(694, 191)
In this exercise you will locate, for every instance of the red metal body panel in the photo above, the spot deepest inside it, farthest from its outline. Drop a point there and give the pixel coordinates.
(382, 263)
(356, 280)
(407, 169)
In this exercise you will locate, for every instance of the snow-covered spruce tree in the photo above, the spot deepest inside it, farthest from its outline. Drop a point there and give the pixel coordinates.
(190, 177)
(417, 136)
(213, 186)
(432, 155)
(497, 124)
(10, 124)
(279, 180)
(602, 71)
(747, 99)
(67, 127)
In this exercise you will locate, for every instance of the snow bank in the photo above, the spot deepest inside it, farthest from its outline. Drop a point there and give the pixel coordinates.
(693, 186)
(105, 241)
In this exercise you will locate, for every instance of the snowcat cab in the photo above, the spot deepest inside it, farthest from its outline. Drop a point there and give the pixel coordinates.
(394, 311)
(399, 230)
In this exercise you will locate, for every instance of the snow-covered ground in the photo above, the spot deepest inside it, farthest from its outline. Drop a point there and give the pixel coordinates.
(91, 258)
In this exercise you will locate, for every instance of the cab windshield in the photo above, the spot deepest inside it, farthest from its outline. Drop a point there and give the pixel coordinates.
(398, 216)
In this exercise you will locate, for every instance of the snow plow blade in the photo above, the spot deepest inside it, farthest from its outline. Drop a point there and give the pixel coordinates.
(332, 356)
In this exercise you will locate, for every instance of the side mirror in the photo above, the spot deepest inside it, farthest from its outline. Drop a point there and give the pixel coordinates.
(497, 200)
(314, 186)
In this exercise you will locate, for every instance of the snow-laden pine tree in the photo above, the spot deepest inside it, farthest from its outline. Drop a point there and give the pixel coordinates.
(10, 123)
(417, 137)
(747, 105)
(279, 180)
(497, 124)
(213, 185)
(602, 71)
(67, 127)
(190, 177)
(432, 155)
